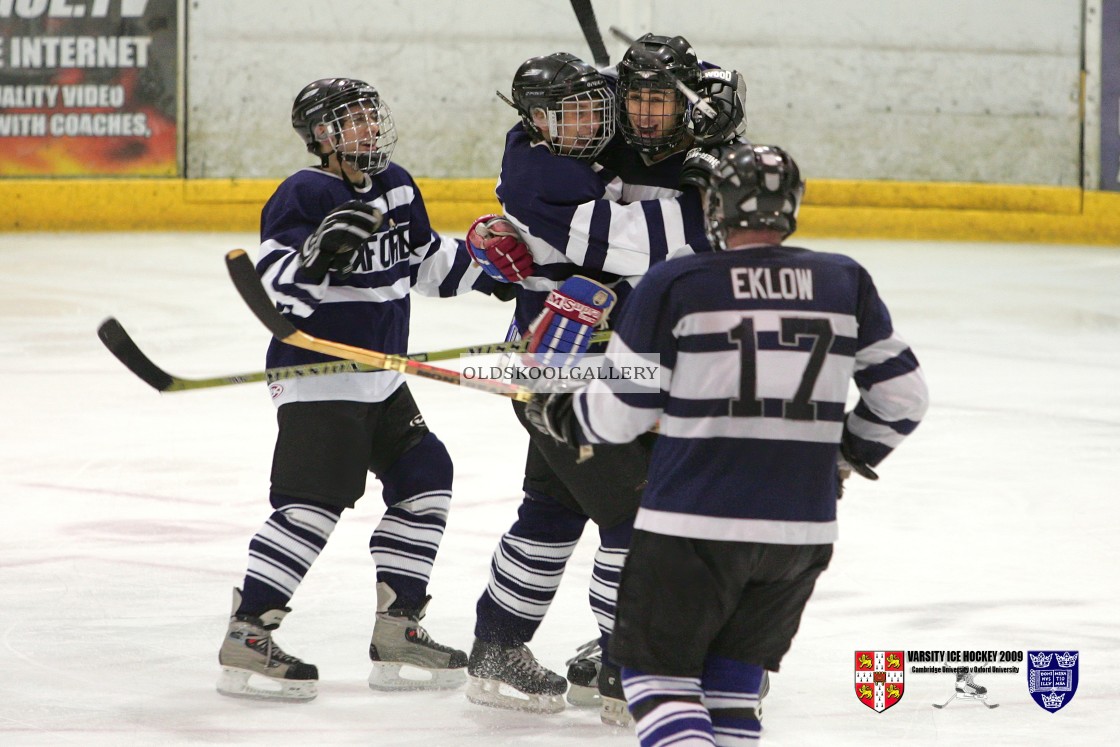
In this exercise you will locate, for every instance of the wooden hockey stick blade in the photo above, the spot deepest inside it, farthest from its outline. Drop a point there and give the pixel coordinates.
(585, 14)
(248, 284)
(112, 334)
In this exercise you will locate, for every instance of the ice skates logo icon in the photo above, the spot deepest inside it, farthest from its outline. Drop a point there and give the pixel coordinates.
(879, 678)
(1052, 678)
(967, 689)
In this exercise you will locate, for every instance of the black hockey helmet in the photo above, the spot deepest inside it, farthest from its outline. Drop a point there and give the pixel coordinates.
(756, 187)
(574, 100)
(656, 63)
(358, 122)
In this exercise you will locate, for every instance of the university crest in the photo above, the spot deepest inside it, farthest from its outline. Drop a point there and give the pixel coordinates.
(879, 678)
(1052, 678)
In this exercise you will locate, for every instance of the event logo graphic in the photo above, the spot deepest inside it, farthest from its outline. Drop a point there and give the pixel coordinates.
(1052, 678)
(879, 678)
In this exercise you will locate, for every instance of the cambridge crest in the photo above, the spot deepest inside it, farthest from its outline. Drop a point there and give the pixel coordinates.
(879, 678)
(1052, 678)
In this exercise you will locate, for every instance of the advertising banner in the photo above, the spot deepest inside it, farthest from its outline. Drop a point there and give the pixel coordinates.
(89, 88)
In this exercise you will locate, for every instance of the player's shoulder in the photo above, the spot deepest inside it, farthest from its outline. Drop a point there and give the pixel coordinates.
(306, 191)
(531, 170)
(307, 179)
(679, 268)
(395, 174)
(834, 263)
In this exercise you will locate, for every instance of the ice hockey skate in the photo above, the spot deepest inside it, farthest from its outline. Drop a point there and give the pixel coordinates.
(583, 675)
(404, 656)
(613, 711)
(967, 689)
(254, 666)
(509, 676)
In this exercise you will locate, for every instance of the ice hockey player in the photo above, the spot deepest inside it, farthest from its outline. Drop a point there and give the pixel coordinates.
(757, 345)
(342, 245)
(609, 222)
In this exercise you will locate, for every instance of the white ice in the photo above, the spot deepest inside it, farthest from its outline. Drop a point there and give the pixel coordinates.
(126, 513)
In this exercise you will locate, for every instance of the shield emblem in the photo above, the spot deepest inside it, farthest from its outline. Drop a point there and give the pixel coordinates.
(879, 678)
(1052, 678)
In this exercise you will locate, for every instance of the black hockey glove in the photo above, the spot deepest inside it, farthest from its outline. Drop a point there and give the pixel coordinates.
(846, 464)
(725, 91)
(699, 165)
(334, 244)
(551, 413)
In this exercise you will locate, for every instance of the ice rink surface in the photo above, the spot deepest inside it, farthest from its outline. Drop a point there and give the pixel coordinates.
(127, 514)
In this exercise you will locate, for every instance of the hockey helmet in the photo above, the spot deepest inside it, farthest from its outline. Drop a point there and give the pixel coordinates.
(755, 187)
(570, 98)
(357, 122)
(653, 114)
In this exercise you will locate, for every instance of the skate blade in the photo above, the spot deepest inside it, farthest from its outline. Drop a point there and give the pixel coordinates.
(500, 695)
(582, 696)
(241, 683)
(394, 676)
(615, 713)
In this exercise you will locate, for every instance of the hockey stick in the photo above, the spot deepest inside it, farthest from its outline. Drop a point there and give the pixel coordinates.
(585, 14)
(248, 284)
(121, 345)
(692, 96)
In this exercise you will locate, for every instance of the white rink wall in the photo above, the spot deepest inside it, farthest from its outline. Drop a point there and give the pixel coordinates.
(926, 90)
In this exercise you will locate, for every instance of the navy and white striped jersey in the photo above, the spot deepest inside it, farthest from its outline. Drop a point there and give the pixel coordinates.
(757, 348)
(610, 220)
(370, 308)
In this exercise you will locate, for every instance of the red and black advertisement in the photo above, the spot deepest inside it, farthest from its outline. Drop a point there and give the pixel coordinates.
(89, 88)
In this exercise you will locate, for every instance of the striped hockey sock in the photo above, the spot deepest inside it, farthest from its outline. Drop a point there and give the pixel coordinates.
(606, 573)
(281, 553)
(667, 710)
(405, 544)
(526, 570)
(731, 697)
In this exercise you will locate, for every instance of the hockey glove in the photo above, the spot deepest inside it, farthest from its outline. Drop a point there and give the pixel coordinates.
(334, 244)
(561, 333)
(494, 243)
(846, 464)
(551, 413)
(700, 164)
(725, 91)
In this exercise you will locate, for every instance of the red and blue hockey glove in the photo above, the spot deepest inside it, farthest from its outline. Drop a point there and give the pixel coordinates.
(494, 243)
(561, 333)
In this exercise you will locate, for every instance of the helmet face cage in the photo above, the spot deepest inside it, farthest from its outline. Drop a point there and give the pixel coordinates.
(653, 114)
(566, 104)
(756, 187)
(362, 133)
(582, 124)
(351, 116)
